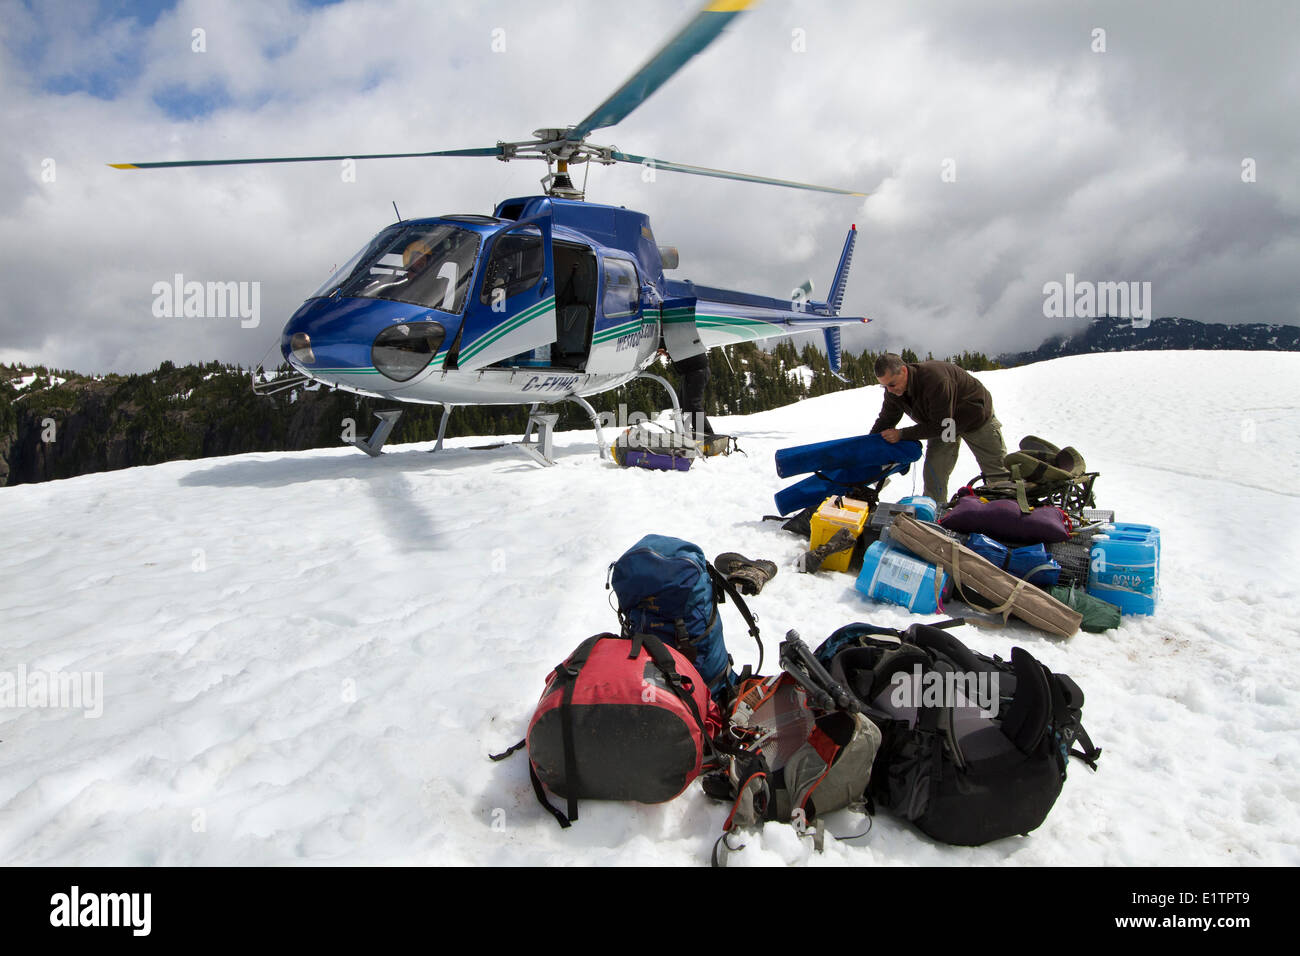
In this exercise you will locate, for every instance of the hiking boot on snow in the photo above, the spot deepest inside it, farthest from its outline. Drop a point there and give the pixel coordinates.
(748, 576)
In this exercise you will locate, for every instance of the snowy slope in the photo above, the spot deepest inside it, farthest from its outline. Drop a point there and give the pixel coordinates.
(306, 657)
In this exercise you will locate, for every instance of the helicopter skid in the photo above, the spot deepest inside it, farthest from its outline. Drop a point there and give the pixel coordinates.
(541, 450)
(374, 445)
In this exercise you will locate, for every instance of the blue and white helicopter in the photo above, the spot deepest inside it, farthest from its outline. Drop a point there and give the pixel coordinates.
(548, 299)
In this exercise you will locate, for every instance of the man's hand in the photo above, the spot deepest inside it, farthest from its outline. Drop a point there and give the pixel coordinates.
(890, 435)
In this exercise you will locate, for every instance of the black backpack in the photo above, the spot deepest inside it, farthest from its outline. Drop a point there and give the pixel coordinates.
(974, 747)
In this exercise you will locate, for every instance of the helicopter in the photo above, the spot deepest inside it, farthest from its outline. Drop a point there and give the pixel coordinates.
(548, 299)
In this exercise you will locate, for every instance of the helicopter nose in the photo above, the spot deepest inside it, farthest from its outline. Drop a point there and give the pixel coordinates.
(359, 342)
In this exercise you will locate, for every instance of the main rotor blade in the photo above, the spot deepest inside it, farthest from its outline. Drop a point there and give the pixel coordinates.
(694, 37)
(479, 151)
(724, 174)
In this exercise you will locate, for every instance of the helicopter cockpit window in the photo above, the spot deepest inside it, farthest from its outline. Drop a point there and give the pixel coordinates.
(518, 261)
(622, 295)
(366, 252)
(428, 265)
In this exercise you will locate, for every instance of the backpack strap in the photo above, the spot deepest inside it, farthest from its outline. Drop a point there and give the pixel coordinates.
(567, 672)
(1067, 703)
(663, 660)
(540, 793)
(1034, 473)
(506, 753)
(1022, 498)
(936, 723)
(900, 660)
(1090, 753)
(726, 586)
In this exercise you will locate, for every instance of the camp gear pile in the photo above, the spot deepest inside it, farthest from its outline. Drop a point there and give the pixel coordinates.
(658, 447)
(857, 724)
(654, 446)
(965, 746)
(994, 538)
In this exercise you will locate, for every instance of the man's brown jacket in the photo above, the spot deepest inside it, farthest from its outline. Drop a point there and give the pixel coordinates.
(936, 392)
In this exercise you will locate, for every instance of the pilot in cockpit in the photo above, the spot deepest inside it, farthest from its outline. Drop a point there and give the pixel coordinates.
(416, 257)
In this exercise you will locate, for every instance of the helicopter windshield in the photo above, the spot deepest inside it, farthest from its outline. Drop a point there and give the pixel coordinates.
(428, 265)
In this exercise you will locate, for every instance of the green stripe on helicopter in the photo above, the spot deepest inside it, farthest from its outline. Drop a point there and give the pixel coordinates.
(740, 325)
(618, 331)
(505, 328)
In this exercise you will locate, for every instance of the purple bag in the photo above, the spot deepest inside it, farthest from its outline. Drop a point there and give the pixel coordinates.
(1004, 520)
(657, 462)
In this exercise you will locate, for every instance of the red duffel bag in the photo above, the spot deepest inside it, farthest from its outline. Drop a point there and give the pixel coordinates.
(621, 719)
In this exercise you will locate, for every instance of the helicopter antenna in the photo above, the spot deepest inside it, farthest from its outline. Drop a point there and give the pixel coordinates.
(399, 215)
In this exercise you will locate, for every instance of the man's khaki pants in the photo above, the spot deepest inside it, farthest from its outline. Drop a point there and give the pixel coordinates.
(941, 457)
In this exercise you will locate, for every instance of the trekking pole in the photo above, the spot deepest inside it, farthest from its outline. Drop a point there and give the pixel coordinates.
(798, 661)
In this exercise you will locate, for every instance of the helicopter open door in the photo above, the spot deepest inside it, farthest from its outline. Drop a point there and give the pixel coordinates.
(513, 309)
(576, 272)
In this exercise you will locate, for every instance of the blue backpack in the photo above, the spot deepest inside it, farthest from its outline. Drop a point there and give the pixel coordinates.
(667, 588)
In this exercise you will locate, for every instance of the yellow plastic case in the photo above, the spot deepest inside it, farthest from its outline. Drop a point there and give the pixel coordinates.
(833, 514)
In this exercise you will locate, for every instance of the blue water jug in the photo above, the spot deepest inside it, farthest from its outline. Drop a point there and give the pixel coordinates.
(896, 576)
(1123, 569)
(926, 508)
(1142, 530)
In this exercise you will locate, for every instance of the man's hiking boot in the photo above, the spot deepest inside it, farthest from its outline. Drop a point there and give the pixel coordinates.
(748, 576)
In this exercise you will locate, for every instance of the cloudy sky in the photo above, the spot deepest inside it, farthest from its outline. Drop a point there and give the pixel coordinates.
(1005, 145)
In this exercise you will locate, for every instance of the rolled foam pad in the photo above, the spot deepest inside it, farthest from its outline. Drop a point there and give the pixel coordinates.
(813, 490)
(863, 451)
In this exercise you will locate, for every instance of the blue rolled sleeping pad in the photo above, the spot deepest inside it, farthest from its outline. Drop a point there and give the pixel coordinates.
(840, 464)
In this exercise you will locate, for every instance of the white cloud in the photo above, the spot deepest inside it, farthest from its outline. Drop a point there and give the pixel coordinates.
(1123, 165)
